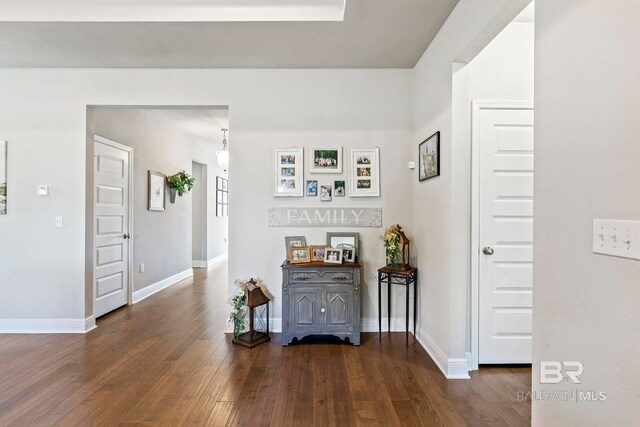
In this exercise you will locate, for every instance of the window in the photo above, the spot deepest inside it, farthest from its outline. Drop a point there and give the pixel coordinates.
(222, 196)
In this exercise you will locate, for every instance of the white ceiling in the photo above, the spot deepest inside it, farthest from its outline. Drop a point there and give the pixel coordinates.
(374, 34)
(205, 123)
(170, 10)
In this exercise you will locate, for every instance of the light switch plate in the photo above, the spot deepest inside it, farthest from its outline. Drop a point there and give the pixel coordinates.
(617, 238)
(412, 165)
(58, 222)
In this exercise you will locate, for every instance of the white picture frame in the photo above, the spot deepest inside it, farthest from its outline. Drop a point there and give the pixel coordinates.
(325, 160)
(288, 172)
(364, 172)
(325, 193)
(333, 256)
(157, 191)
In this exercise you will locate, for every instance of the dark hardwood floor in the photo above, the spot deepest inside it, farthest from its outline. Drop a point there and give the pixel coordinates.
(166, 361)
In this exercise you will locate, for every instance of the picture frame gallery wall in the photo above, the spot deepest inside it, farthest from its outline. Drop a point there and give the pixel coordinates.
(289, 172)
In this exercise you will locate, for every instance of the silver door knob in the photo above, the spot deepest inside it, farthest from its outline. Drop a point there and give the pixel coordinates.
(487, 250)
(322, 310)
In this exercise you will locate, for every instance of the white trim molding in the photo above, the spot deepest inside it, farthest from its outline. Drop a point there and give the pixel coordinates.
(216, 260)
(453, 369)
(397, 324)
(47, 326)
(162, 284)
(210, 263)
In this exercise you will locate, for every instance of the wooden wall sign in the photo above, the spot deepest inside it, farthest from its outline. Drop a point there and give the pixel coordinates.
(323, 217)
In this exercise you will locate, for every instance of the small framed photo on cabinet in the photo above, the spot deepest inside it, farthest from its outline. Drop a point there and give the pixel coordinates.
(299, 255)
(333, 256)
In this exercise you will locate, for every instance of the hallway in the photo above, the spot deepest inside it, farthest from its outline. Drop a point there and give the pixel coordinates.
(165, 361)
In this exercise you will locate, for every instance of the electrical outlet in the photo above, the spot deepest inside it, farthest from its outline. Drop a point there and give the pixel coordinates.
(141, 268)
(617, 238)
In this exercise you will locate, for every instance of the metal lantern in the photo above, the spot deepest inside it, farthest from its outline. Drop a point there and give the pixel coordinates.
(258, 305)
(404, 244)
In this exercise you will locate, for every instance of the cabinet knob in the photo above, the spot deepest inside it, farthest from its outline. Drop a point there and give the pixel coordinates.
(322, 310)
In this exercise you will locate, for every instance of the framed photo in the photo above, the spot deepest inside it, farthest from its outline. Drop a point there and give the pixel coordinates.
(325, 193)
(339, 188)
(349, 254)
(288, 172)
(326, 160)
(3, 177)
(364, 175)
(312, 188)
(344, 240)
(429, 157)
(317, 252)
(299, 255)
(294, 242)
(157, 191)
(333, 256)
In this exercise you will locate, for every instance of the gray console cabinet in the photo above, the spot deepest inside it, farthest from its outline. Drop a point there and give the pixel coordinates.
(321, 299)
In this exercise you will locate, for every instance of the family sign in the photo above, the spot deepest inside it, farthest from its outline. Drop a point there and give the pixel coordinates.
(322, 217)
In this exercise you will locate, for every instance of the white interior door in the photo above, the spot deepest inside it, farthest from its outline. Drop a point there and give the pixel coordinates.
(505, 144)
(111, 226)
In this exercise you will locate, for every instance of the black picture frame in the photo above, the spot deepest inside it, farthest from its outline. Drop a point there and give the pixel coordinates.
(433, 143)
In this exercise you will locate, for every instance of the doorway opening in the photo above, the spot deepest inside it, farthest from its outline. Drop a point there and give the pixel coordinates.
(493, 129)
(141, 238)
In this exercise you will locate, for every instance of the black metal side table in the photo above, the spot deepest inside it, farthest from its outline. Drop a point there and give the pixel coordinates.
(405, 278)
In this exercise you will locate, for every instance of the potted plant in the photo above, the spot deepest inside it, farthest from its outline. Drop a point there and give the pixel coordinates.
(180, 183)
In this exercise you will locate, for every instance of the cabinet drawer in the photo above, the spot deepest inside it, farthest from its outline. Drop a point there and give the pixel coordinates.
(322, 276)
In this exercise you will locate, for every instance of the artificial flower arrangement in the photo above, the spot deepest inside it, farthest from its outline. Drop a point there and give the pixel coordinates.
(392, 247)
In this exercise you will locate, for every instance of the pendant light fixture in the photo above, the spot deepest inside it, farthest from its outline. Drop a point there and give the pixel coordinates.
(223, 155)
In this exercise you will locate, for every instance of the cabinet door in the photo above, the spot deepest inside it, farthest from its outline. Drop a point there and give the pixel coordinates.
(304, 310)
(338, 302)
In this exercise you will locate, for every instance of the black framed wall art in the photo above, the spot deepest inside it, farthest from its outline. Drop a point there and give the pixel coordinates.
(429, 157)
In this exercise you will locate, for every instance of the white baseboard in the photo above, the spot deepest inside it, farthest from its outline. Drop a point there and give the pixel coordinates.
(216, 260)
(397, 324)
(158, 286)
(47, 326)
(206, 264)
(452, 368)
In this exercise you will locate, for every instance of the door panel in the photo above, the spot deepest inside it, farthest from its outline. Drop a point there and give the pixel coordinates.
(505, 140)
(305, 314)
(339, 303)
(111, 221)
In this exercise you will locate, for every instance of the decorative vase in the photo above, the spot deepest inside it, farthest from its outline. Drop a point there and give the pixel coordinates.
(172, 194)
(393, 261)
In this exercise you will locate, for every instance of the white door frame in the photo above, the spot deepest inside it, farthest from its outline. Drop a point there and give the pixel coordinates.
(476, 107)
(130, 281)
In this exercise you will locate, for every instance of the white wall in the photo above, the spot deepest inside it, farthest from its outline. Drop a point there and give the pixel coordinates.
(441, 206)
(587, 157)
(44, 120)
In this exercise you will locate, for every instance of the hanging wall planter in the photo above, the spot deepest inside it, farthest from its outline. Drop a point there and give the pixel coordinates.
(179, 183)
